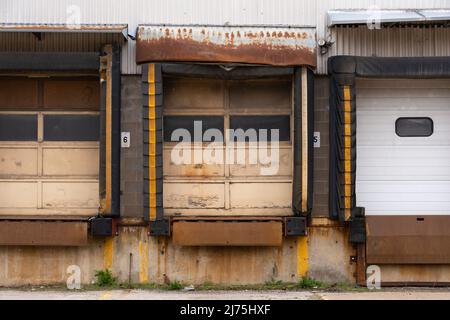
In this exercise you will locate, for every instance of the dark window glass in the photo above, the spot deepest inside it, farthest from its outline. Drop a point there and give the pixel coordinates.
(282, 123)
(414, 127)
(71, 127)
(18, 127)
(172, 123)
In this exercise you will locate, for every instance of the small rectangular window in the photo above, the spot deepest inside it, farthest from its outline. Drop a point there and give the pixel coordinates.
(15, 127)
(414, 127)
(268, 123)
(203, 123)
(71, 127)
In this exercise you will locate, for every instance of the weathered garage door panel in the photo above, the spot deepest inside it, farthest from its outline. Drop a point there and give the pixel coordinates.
(172, 169)
(204, 94)
(53, 169)
(248, 169)
(74, 94)
(18, 93)
(257, 94)
(194, 195)
(261, 195)
(70, 161)
(258, 180)
(16, 194)
(18, 161)
(70, 195)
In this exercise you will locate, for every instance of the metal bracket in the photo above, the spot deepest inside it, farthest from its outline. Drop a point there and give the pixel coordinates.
(357, 227)
(295, 226)
(103, 226)
(160, 227)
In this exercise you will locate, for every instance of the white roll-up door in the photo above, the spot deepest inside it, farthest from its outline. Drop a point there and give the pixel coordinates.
(403, 146)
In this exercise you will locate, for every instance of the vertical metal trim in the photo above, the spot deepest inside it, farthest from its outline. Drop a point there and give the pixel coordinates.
(310, 139)
(297, 187)
(304, 144)
(107, 208)
(115, 129)
(110, 123)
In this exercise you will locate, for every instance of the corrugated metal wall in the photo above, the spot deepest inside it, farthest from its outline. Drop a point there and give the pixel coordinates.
(365, 44)
(390, 42)
(305, 13)
(61, 42)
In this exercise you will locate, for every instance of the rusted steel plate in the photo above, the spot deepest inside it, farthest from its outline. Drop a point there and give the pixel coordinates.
(43, 233)
(408, 239)
(221, 233)
(226, 218)
(253, 45)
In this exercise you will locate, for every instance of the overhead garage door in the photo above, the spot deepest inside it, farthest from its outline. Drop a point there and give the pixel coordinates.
(403, 147)
(248, 187)
(49, 149)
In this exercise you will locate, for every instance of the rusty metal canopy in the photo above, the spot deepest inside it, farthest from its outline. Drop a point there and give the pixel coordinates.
(80, 28)
(278, 46)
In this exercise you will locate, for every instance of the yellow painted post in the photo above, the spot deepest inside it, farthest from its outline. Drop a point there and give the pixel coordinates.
(152, 141)
(108, 251)
(302, 256)
(347, 153)
(143, 261)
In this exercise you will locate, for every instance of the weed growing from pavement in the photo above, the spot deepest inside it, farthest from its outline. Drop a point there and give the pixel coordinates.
(106, 281)
(105, 278)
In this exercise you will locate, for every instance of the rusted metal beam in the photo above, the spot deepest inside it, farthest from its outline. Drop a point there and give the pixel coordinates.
(222, 233)
(43, 233)
(252, 45)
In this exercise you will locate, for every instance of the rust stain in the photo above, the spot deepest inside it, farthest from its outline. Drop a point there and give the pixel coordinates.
(269, 47)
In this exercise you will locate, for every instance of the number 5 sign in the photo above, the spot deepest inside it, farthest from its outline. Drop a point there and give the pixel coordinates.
(316, 139)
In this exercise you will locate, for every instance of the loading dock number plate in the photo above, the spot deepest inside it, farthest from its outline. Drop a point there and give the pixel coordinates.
(316, 139)
(125, 141)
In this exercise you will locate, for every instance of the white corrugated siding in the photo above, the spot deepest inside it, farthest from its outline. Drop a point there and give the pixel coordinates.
(305, 13)
(389, 42)
(363, 44)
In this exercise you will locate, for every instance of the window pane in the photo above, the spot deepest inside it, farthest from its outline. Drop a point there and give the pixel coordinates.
(18, 127)
(267, 123)
(71, 127)
(203, 123)
(414, 127)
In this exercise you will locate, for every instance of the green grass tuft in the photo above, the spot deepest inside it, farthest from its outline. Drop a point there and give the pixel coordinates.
(176, 285)
(105, 278)
(309, 283)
